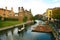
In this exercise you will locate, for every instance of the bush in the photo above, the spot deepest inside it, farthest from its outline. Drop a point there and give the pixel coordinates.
(25, 19)
(0, 17)
(10, 19)
(1, 23)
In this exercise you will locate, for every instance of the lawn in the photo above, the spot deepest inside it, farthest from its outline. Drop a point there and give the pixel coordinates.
(8, 23)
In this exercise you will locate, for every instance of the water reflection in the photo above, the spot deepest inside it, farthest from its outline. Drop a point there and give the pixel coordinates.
(26, 34)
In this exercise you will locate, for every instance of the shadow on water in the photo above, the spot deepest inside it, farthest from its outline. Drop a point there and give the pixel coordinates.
(26, 34)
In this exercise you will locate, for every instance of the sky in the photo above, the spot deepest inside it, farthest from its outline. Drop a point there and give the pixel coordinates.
(37, 6)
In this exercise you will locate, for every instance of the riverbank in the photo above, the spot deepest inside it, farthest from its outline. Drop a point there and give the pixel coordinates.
(15, 25)
(27, 34)
(9, 23)
(54, 29)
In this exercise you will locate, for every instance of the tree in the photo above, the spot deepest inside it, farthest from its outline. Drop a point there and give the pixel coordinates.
(0, 22)
(38, 17)
(25, 19)
(56, 13)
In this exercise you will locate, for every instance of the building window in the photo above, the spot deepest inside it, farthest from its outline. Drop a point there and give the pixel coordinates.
(49, 18)
(4, 14)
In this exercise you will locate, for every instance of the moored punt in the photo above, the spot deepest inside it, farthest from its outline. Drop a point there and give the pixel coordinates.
(42, 29)
(21, 29)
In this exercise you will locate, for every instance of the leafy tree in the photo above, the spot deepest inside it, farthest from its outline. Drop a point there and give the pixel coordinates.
(25, 19)
(56, 13)
(1, 23)
(38, 17)
(0, 17)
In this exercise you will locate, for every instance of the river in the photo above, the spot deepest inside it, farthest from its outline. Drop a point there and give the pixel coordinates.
(27, 34)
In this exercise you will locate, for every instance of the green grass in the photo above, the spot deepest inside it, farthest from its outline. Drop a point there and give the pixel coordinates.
(9, 23)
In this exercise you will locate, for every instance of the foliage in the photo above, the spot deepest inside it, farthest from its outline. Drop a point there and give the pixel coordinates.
(38, 17)
(10, 19)
(0, 17)
(25, 19)
(8, 23)
(56, 13)
(0, 23)
(33, 18)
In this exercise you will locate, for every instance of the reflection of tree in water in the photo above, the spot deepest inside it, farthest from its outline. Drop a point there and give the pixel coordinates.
(52, 36)
(21, 33)
(25, 29)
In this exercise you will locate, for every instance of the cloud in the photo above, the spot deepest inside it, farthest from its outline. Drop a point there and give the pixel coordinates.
(37, 6)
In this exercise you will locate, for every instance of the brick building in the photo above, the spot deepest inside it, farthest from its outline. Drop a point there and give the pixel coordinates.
(6, 13)
(22, 13)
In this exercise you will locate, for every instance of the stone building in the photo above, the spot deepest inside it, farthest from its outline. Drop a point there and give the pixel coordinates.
(20, 15)
(28, 14)
(48, 14)
(1, 12)
(24, 13)
(6, 13)
(11, 14)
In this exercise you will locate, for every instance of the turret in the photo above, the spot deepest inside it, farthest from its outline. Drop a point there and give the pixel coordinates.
(30, 10)
(25, 10)
(18, 9)
(12, 12)
(11, 8)
(6, 8)
(21, 9)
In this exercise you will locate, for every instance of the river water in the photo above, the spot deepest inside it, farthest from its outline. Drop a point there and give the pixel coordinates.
(27, 34)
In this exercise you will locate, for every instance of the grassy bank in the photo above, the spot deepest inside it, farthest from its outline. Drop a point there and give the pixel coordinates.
(8, 23)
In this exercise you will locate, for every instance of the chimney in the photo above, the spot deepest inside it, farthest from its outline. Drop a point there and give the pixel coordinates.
(18, 9)
(22, 9)
(11, 8)
(30, 10)
(6, 8)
